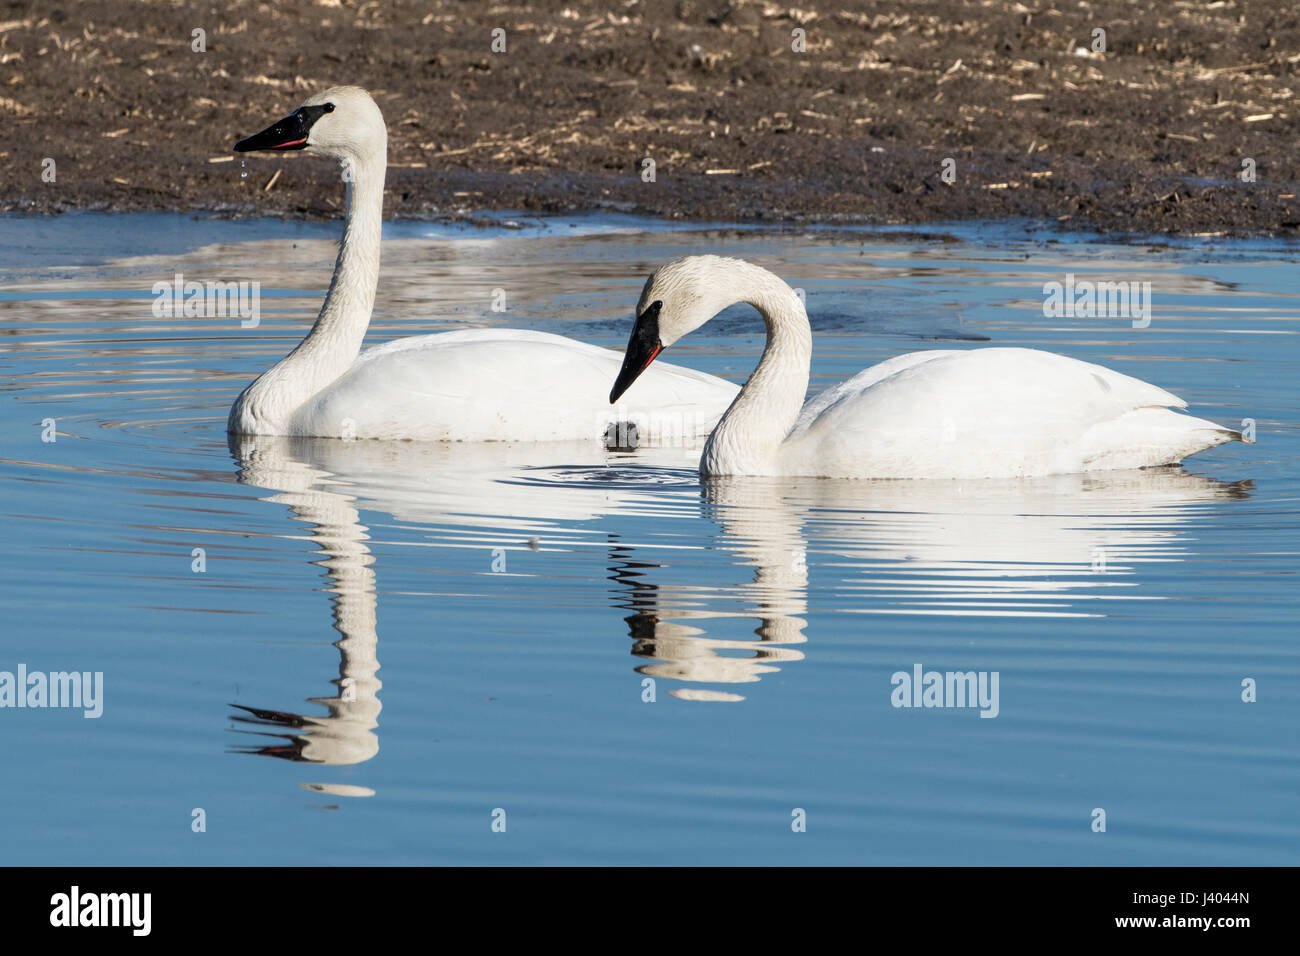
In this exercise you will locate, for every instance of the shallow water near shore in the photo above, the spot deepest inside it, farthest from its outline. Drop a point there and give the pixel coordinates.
(615, 661)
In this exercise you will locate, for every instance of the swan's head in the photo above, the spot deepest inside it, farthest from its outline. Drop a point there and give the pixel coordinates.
(343, 123)
(678, 298)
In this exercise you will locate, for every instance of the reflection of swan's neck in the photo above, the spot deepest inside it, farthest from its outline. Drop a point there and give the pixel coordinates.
(333, 343)
(746, 440)
(341, 535)
(763, 530)
(346, 735)
(774, 544)
(781, 592)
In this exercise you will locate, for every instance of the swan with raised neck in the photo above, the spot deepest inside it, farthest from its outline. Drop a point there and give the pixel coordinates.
(468, 385)
(342, 123)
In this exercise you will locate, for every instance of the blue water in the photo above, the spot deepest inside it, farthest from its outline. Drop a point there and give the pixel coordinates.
(435, 637)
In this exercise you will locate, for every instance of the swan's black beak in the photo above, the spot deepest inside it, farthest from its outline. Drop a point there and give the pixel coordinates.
(290, 133)
(642, 348)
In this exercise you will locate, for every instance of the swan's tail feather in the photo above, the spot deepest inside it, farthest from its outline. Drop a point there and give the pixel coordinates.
(1150, 436)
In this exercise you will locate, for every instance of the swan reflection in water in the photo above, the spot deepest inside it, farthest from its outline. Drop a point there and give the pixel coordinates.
(991, 547)
(762, 530)
(470, 490)
(1040, 547)
(345, 734)
(1029, 547)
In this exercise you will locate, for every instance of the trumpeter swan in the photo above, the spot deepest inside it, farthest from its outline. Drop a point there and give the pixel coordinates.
(980, 413)
(474, 385)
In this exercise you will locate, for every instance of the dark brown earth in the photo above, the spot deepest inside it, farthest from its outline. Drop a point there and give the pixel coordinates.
(1149, 136)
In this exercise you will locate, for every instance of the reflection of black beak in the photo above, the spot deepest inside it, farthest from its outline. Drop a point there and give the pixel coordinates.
(294, 744)
(290, 133)
(642, 348)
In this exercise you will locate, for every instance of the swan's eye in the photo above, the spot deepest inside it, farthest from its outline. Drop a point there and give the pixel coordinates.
(328, 107)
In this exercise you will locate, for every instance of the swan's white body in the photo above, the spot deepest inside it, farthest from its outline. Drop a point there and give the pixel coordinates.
(501, 385)
(474, 385)
(994, 412)
(982, 413)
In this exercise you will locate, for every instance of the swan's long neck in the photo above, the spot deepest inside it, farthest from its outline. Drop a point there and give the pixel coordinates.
(748, 438)
(332, 345)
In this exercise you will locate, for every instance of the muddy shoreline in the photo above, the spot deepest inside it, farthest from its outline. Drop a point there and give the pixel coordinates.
(751, 111)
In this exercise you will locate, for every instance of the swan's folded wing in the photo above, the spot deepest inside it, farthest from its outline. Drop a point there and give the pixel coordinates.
(988, 412)
(861, 382)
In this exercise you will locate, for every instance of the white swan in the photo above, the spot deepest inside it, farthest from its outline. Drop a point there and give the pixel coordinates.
(475, 385)
(981, 413)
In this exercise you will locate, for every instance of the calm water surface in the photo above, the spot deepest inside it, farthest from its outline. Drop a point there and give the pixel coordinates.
(429, 634)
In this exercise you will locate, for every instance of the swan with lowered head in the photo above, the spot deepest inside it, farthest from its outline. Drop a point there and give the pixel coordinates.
(979, 413)
(472, 385)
